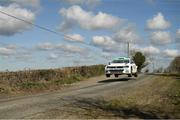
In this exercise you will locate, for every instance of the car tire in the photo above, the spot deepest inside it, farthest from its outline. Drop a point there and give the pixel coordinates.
(108, 75)
(115, 75)
(136, 74)
(130, 75)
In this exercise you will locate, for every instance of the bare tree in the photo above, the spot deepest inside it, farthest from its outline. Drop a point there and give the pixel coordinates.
(175, 65)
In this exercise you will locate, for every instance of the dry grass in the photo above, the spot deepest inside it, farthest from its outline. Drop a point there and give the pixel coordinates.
(156, 99)
(40, 80)
(149, 101)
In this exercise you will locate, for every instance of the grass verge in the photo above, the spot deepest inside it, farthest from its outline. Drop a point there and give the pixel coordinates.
(157, 98)
(41, 80)
(160, 98)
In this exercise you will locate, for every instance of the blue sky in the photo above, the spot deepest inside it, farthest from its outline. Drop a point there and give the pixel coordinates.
(88, 32)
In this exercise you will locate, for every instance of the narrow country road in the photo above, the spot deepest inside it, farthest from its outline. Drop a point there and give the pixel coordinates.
(45, 105)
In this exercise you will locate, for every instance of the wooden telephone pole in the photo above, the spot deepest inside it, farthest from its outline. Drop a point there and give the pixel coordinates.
(128, 51)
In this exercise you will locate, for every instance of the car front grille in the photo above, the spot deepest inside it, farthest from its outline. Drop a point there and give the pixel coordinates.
(115, 67)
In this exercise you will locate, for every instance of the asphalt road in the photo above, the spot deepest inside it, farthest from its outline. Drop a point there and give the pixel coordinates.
(45, 105)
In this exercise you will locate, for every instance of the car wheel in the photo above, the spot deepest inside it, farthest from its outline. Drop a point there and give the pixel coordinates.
(130, 75)
(116, 75)
(108, 75)
(136, 74)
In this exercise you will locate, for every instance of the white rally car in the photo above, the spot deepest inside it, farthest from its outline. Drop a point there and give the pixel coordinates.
(121, 65)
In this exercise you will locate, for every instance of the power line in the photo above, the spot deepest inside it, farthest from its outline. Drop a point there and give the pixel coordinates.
(29, 22)
(38, 26)
(46, 29)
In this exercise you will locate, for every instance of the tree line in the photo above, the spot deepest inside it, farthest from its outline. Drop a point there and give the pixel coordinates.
(140, 60)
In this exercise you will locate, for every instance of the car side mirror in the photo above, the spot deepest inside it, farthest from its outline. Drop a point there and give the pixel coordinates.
(109, 63)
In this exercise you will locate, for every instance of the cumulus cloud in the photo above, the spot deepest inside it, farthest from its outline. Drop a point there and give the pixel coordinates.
(23, 55)
(171, 52)
(17, 52)
(107, 55)
(53, 56)
(10, 26)
(127, 34)
(148, 50)
(32, 3)
(75, 15)
(11, 46)
(45, 46)
(105, 42)
(5, 51)
(74, 38)
(178, 36)
(151, 50)
(72, 49)
(62, 48)
(160, 37)
(80, 2)
(158, 22)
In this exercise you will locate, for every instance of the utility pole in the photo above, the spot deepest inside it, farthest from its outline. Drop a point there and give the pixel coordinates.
(153, 64)
(128, 51)
(153, 67)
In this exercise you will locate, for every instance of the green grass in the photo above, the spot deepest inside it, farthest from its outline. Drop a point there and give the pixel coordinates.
(32, 85)
(69, 80)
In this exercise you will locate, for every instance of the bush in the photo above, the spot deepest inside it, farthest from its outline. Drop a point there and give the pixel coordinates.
(42, 79)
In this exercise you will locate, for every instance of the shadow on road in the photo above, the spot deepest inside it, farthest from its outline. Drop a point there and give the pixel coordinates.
(177, 78)
(100, 109)
(115, 80)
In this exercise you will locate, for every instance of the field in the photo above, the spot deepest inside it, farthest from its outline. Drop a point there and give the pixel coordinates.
(33, 81)
(93, 96)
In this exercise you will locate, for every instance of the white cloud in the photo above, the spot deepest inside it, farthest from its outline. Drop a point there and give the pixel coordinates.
(10, 26)
(11, 46)
(32, 3)
(105, 42)
(17, 52)
(148, 50)
(80, 2)
(127, 34)
(74, 38)
(71, 49)
(75, 15)
(23, 55)
(178, 33)
(107, 55)
(53, 56)
(178, 36)
(4, 51)
(151, 50)
(158, 22)
(45, 46)
(160, 37)
(62, 48)
(171, 52)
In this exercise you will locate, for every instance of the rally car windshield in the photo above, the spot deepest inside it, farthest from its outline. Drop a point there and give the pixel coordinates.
(120, 61)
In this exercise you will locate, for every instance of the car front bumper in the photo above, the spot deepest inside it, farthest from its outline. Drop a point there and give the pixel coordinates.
(117, 71)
